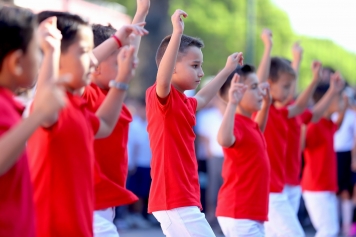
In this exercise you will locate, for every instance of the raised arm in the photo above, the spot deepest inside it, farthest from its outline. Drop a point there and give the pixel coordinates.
(302, 101)
(336, 86)
(262, 115)
(263, 68)
(341, 116)
(226, 137)
(105, 49)
(297, 52)
(211, 89)
(143, 7)
(168, 62)
(48, 101)
(109, 111)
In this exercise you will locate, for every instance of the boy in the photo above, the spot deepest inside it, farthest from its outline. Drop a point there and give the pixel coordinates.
(319, 181)
(243, 198)
(282, 220)
(62, 154)
(174, 196)
(111, 152)
(19, 61)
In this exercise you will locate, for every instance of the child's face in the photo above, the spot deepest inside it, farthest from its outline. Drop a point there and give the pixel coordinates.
(252, 99)
(188, 70)
(280, 90)
(79, 60)
(106, 71)
(30, 63)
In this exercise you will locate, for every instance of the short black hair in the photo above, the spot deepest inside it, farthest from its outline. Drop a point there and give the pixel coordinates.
(17, 27)
(243, 72)
(278, 66)
(329, 69)
(102, 33)
(185, 42)
(320, 91)
(67, 23)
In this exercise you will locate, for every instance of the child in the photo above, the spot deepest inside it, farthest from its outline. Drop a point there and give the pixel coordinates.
(174, 196)
(319, 181)
(111, 152)
(243, 198)
(19, 62)
(62, 154)
(282, 220)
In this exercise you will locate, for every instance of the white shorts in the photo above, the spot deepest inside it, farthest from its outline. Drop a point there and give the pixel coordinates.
(103, 225)
(184, 222)
(294, 194)
(241, 227)
(323, 211)
(282, 220)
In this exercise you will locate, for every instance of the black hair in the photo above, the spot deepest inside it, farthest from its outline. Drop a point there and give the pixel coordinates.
(67, 23)
(320, 91)
(278, 66)
(102, 33)
(243, 72)
(329, 69)
(17, 27)
(185, 42)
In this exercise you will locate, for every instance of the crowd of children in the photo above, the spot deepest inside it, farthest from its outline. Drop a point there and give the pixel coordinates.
(64, 165)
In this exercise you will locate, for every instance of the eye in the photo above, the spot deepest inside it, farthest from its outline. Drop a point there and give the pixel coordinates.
(195, 66)
(254, 86)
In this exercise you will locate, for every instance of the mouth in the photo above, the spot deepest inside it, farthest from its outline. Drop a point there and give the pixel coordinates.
(198, 81)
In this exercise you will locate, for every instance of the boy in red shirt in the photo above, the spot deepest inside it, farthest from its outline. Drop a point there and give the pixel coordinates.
(19, 62)
(174, 196)
(243, 198)
(319, 181)
(62, 154)
(111, 153)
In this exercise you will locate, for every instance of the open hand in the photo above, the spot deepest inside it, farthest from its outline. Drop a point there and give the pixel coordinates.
(126, 31)
(267, 98)
(177, 22)
(233, 61)
(49, 35)
(237, 90)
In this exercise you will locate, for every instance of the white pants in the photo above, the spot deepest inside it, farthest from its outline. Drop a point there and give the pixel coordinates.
(294, 194)
(241, 227)
(323, 211)
(103, 223)
(184, 222)
(282, 220)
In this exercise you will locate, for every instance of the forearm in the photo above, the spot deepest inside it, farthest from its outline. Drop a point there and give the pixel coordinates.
(208, 92)
(49, 68)
(12, 143)
(262, 117)
(263, 68)
(104, 50)
(166, 66)
(139, 17)
(226, 136)
(340, 118)
(320, 107)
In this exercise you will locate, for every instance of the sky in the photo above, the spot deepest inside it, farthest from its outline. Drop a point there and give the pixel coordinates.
(328, 19)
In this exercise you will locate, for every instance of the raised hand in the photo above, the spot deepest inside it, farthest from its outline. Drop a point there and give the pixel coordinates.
(316, 69)
(237, 90)
(49, 35)
(126, 31)
(297, 51)
(143, 6)
(234, 60)
(266, 37)
(177, 22)
(337, 84)
(267, 97)
(127, 64)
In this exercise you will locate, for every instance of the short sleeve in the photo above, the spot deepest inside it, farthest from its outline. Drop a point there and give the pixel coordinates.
(154, 102)
(306, 116)
(284, 111)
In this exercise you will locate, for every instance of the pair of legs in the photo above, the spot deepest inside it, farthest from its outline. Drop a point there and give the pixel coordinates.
(323, 212)
(184, 222)
(282, 219)
(241, 227)
(103, 223)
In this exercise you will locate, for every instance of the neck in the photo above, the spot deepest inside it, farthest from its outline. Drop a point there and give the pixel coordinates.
(97, 82)
(178, 88)
(7, 83)
(278, 104)
(243, 112)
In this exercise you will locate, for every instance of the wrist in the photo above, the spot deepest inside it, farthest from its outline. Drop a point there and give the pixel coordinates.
(232, 105)
(117, 40)
(141, 15)
(177, 32)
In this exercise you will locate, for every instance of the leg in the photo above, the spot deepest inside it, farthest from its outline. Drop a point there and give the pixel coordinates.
(103, 225)
(241, 227)
(214, 184)
(294, 194)
(322, 209)
(184, 222)
(282, 219)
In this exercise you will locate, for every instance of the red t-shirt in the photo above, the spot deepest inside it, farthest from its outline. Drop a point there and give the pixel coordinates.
(111, 156)
(275, 134)
(16, 202)
(62, 169)
(320, 172)
(246, 173)
(293, 153)
(174, 168)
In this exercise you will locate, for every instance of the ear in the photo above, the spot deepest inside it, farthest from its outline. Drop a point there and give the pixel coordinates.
(97, 71)
(14, 62)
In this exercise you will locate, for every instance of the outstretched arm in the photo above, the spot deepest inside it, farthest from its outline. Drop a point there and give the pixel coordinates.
(211, 89)
(168, 62)
(263, 68)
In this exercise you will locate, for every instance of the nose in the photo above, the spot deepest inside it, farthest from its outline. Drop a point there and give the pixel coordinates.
(201, 73)
(93, 61)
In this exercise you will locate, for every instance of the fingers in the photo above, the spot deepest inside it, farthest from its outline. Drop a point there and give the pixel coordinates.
(137, 29)
(181, 13)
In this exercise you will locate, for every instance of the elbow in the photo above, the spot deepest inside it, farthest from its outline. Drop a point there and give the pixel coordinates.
(225, 142)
